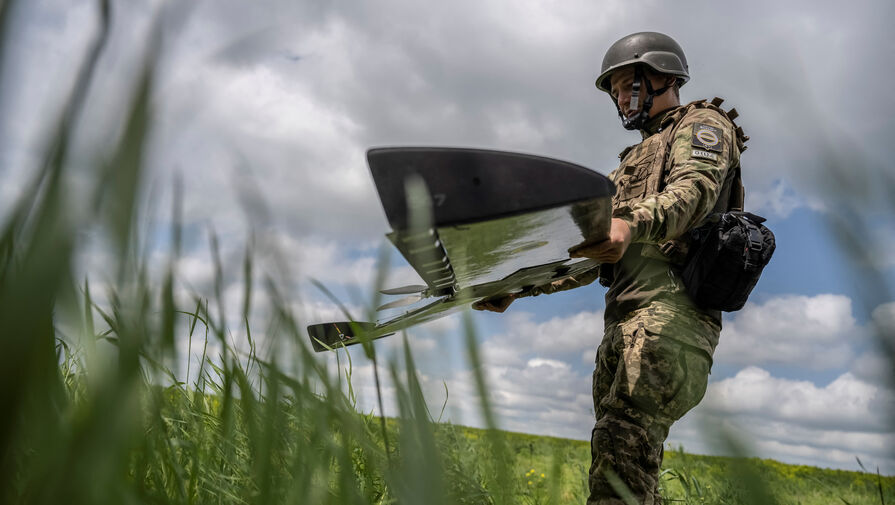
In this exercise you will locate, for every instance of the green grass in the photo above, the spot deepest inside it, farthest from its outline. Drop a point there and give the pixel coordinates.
(307, 448)
(686, 478)
(93, 413)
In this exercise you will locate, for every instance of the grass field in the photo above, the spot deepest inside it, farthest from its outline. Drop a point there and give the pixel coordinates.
(687, 478)
(95, 409)
(235, 444)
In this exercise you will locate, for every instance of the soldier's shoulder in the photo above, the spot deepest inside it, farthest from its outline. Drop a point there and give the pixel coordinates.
(707, 116)
(625, 151)
(704, 132)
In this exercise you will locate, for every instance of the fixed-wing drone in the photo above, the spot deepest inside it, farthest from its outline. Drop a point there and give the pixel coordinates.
(477, 224)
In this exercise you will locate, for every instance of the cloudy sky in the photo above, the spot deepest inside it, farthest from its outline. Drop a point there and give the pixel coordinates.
(276, 102)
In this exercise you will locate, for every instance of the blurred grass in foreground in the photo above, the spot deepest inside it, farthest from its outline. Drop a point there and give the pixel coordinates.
(98, 416)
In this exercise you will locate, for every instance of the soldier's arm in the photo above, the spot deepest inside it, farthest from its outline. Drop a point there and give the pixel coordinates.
(501, 303)
(571, 282)
(698, 167)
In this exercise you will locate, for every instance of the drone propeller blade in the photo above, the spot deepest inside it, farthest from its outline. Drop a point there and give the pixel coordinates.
(410, 300)
(405, 290)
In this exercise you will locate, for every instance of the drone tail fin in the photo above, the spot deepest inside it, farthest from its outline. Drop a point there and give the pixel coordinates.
(329, 336)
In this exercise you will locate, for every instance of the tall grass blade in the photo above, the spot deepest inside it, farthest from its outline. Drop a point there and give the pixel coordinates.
(248, 281)
(496, 441)
(121, 178)
(38, 241)
(744, 472)
(218, 286)
(421, 469)
(620, 488)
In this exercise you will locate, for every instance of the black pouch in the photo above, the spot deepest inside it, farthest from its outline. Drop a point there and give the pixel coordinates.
(726, 258)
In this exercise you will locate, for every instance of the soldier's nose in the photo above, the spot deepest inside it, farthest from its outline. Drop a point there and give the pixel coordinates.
(624, 103)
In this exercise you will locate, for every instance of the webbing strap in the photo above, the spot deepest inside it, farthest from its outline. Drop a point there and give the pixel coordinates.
(733, 183)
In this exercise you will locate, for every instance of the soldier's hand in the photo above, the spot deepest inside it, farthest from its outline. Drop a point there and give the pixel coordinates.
(610, 250)
(494, 304)
(560, 285)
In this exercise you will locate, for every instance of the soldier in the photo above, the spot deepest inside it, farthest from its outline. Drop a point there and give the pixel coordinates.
(653, 363)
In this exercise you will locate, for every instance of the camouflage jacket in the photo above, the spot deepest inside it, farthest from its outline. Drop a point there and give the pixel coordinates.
(686, 167)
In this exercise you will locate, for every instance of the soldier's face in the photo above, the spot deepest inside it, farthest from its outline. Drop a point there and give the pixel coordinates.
(621, 83)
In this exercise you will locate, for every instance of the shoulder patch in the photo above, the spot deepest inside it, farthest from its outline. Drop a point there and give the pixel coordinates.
(707, 137)
(698, 153)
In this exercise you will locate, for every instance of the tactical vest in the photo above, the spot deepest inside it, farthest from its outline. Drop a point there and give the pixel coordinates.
(644, 173)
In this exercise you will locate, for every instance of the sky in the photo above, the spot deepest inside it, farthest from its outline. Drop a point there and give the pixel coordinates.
(264, 111)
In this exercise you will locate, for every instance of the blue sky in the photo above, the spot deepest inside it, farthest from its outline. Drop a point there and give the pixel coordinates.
(285, 97)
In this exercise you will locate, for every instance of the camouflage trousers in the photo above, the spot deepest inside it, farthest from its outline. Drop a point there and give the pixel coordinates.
(644, 380)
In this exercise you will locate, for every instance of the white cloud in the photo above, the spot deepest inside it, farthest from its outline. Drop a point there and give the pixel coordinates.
(515, 129)
(816, 332)
(872, 366)
(779, 200)
(795, 421)
(318, 311)
(531, 387)
(705, 432)
(424, 345)
(552, 363)
(259, 125)
(577, 333)
(846, 404)
(44, 45)
(543, 396)
(446, 326)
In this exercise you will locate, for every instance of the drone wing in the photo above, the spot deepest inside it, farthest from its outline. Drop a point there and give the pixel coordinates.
(498, 223)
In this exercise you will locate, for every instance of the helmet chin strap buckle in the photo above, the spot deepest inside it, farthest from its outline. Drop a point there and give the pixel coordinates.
(635, 89)
(637, 121)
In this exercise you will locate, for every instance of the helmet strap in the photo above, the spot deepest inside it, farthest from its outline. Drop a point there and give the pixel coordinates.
(637, 121)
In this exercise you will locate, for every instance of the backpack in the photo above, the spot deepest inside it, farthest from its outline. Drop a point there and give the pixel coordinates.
(727, 253)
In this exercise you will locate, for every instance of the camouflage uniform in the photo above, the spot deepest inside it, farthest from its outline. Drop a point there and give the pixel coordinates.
(653, 363)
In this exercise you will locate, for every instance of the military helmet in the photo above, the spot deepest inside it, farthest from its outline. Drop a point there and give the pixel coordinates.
(656, 50)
